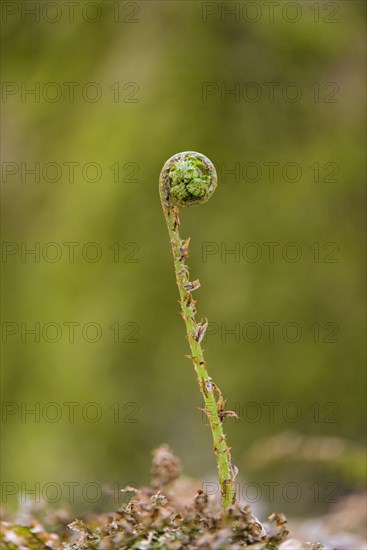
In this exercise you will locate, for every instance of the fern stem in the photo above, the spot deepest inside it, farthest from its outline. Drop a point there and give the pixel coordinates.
(214, 403)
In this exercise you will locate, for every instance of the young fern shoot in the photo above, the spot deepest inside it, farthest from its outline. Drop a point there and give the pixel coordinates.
(189, 179)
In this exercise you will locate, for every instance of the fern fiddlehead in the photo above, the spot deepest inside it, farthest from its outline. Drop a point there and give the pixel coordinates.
(189, 179)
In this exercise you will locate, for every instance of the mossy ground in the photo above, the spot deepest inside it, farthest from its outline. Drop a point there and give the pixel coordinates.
(154, 518)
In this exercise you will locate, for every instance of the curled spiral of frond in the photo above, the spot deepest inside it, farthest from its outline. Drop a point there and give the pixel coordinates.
(188, 178)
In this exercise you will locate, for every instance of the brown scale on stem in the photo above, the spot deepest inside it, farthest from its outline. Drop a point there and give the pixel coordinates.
(190, 304)
(191, 286)
(200, 331)
(185, 271)
(203, 387)
(184, 249)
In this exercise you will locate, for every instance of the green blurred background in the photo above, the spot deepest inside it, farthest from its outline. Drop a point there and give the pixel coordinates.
(167, 51)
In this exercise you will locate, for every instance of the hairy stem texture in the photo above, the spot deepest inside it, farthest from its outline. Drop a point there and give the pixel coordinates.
(213, 401)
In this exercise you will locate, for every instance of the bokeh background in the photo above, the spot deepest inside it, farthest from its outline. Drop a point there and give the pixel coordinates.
(164, 55)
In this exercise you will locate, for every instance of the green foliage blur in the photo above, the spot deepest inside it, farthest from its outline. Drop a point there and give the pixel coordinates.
(145, 392)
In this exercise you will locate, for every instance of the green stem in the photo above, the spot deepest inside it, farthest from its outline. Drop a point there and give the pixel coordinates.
(214, 403)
